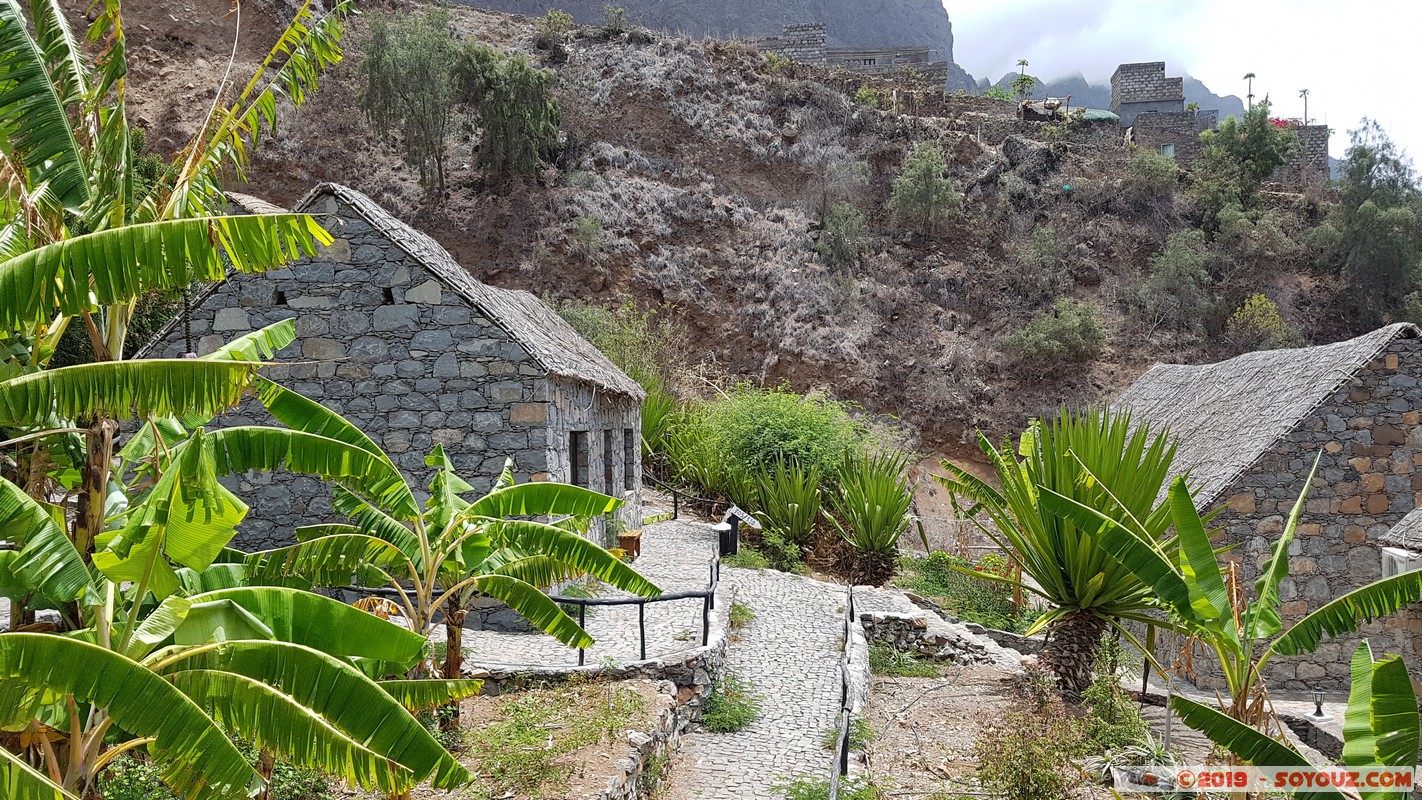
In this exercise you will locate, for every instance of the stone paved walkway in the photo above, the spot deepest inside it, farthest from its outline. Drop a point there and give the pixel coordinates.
(676, 556)
(790, 656)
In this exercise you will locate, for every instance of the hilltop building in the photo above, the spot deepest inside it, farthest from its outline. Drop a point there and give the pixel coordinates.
(1248, 430)
(805, 43)
(396, 336)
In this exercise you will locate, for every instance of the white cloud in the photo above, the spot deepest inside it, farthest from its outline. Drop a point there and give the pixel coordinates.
(1356, 59)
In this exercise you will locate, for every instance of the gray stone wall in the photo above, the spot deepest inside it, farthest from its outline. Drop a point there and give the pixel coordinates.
(1179, 128)
(803, 42)
(609, 422)
(383, 343)
(1369, 478)
(1308, 164)
(1143, 88)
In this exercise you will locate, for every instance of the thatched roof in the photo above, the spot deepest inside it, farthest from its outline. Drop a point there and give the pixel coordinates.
(253, 205)
(1224, 416)
(1407, 533)
(549, 339)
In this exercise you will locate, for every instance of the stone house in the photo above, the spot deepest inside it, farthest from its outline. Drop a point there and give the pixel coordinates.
(397, 337)
(1248, 430)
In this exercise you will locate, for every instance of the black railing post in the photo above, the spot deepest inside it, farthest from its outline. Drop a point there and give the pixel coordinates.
(676, 503)
(713, 584)
(642, 628)
(582, 623)
(706, 620)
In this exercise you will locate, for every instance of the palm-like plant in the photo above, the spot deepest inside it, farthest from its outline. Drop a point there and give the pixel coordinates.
(1189, 584)
(436, 559)
(1061, 561)
(1380, 728)
(873, 498)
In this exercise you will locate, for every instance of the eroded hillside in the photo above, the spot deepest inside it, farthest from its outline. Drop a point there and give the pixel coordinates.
(679, 151)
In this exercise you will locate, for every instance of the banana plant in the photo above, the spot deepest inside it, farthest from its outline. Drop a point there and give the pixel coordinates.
(435, 560)
(1380, 727)
(1245, 636)
(1088, 591)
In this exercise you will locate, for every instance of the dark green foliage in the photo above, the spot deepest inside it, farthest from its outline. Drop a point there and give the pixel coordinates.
(1152, 176)
(756, 428)
(1258, 325)
(924, 197)
(409, 86)
(129, 778)
(1027, 751)
(885, 660)
(1070, 333)
(845, 239)
(1173, 294)
(985, 602)
(1377, 228)
(1112, 720)
(789, 501)
(731, 706)
(747, 557)
(551, 29)
(1236, 158)
(871, 505)
(518, 118)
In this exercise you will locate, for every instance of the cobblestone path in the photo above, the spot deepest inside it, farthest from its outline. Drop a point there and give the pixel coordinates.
(676, 556)
(790, 656)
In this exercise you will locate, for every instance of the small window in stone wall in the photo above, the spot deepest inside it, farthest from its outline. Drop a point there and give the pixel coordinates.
(1167, 150)
(629, 458)
(578, 458)
(388, 296)
(607, 461)
(279, 298)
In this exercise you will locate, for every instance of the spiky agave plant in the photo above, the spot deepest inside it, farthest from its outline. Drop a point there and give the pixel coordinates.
(873, 498)
(1060, 561)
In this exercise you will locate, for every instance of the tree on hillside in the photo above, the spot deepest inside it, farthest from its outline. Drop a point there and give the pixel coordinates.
(421, 81)
(1174, 293)
(924, 197)
(409, 86)
(1236, 158)
(1377, 227)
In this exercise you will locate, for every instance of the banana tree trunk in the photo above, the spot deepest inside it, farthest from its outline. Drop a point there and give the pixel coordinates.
(1070, 652)
(266, 765)
(94, 485)
(453, 659)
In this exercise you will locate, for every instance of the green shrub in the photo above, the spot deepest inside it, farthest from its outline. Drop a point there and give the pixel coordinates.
(756, 428)
(1152, 176)
(977, 600)
(924, 197)
(887, 661)
(1112, 721)
(818, 789)
(1070, 333)
(747, 557)
(1258, 325)
(130, 777)
(1174, 293)
(845, 239)
(551, 29)
(777, 64)
(1035, 274)
(1027, 751)
(588, 236)
(789, 501)
(873, 496)
(742, 615)
(614, 19)
(731, 706)
(865, 96)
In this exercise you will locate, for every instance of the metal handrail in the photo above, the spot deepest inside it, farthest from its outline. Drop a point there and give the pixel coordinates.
(677, 494)
(708, 603)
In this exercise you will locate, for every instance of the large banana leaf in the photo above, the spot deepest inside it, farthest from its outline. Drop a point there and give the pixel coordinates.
(125, 389)
(120, 265)
(371, 521)
(1199, 565)
(259, 345)
(47, 560)
(345, 698)
(326, 560)
(426, 693)
(536, 538)
(19, 781)
(220, 621)
(533, 605)
(1380, 728)
(193, 755)
(34, 114)
(542, 499)
(324, 624)
(276, 722)
(244, 448)
(1346, 613)
(1244, 741)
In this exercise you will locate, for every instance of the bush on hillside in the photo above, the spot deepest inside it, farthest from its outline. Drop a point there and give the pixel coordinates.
(1174, 293)
(1258, 325)
(755, 428)
(1069, 334)
(845, 239)
(1151, 176)
(924, 197)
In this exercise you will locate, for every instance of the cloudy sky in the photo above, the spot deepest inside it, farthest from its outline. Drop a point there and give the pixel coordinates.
(1357, 58)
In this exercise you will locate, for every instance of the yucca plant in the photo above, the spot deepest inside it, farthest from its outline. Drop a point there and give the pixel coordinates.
(1380, 728)
(1187, 582)
(1062, 560)
(788, 501)
(873, 497)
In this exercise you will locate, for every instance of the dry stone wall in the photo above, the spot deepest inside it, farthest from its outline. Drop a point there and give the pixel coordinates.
(1370, 476)
(1308, 163)
(384, 343)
